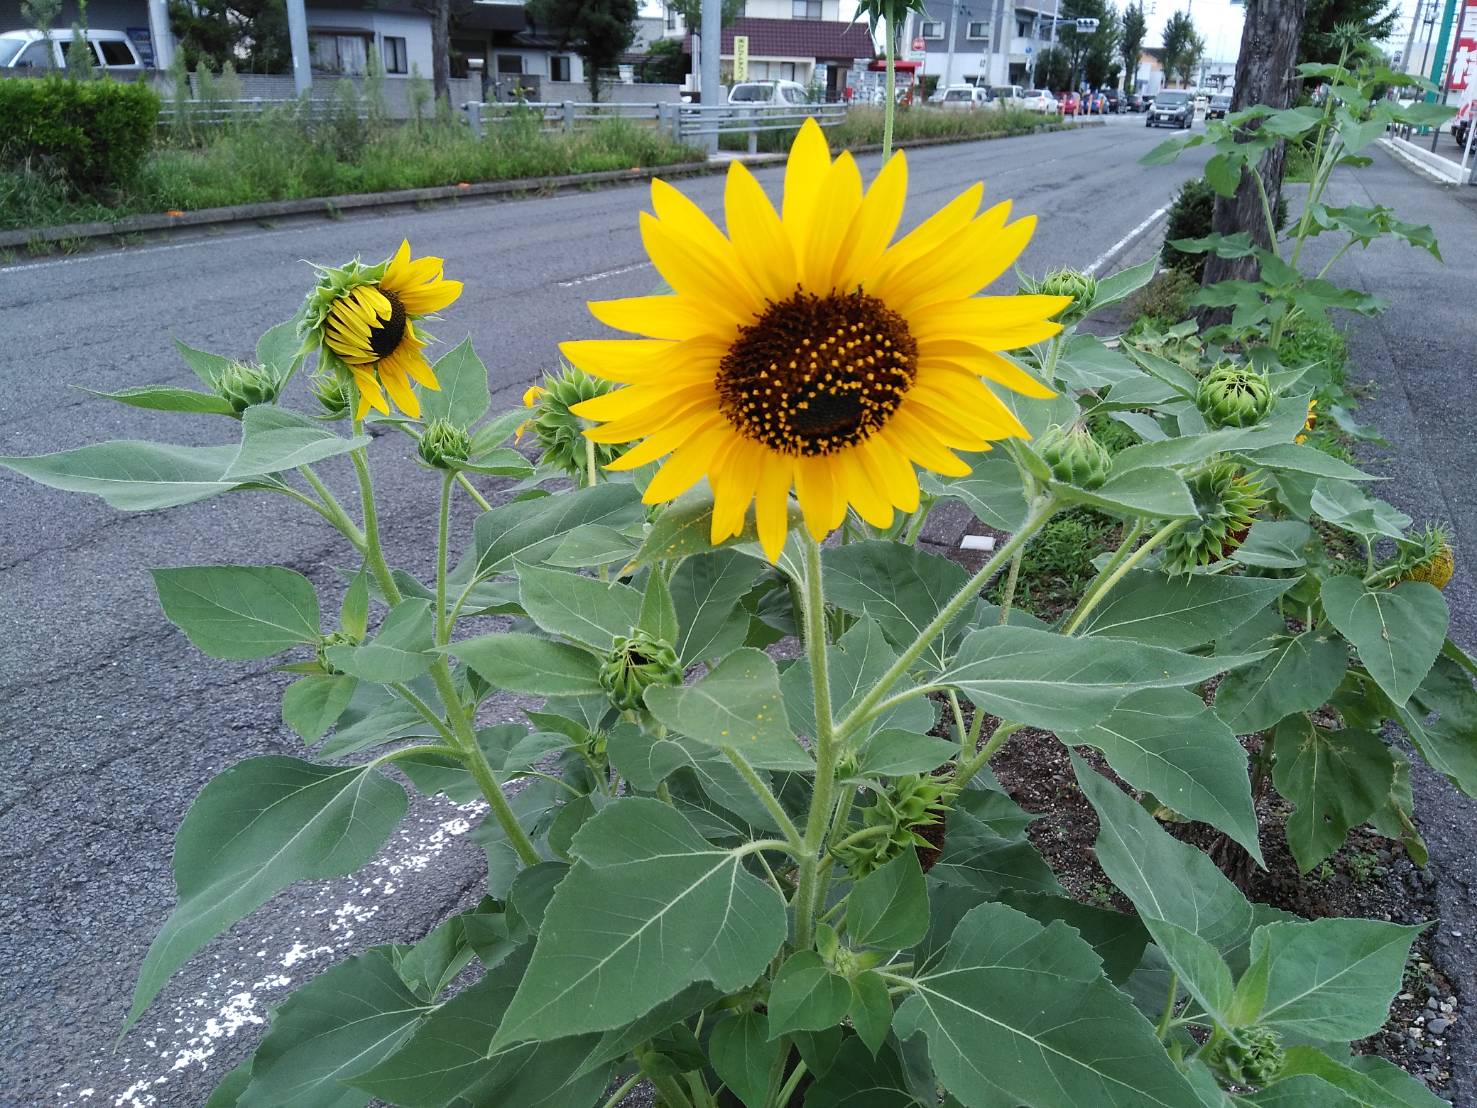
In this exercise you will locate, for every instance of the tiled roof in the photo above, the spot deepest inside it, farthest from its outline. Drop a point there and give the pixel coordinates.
(797, 38)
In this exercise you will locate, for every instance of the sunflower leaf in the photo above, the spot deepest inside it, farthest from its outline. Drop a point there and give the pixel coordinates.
(464, 396)
(167, 398)
(275, 439)
(134, 476)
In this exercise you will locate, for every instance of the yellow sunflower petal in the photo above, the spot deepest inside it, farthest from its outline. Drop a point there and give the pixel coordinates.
(805, 178)
(694, 272)
(772, 503)
(734, 478)
(398, 261)
(657, 317)
(414, 364)
(873, 225)
(684, 219)
(976, 362)
(425, 299)
(894, 471)
(864, 494)
(913, 437)
(767, 254)
(980, 316)
(397, 384)
(624, 361)
(818, 488)
(831, 222)
(925, 239)
(663, 442)
(654, 417)
(370, 394)
(687, 465)
(967, 398)
(991, 250)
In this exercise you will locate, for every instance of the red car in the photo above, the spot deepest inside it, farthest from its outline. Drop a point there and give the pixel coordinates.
(1070, 103)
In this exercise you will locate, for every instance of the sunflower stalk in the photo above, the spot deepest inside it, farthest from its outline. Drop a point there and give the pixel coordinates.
(1106, 580)
(826, 742)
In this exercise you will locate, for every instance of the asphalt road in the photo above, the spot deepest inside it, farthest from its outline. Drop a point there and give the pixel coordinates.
(111, 722)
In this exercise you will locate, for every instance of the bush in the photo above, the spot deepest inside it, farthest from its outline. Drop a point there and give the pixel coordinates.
(1165, 299)
(1190, 217)
(93, 134)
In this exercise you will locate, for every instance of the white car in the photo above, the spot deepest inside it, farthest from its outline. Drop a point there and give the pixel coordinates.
(768, 92)
(1008, 96)
(111, 50)
(1041, 100)
(964, 98)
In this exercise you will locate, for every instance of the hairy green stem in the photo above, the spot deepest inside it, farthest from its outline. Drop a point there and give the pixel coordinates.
(958, 714)
(406, 693)
(1012, 575)
(592, 471)
(1125, 547)
(671, 1091)
(1174, 992)
(866, 707)
(819, 817)
(1089, 603)
(789, 1090)
(968, 769)
(625, 1088)
(374, 555)
(443, 523)
(920, 517)
(414, 751)
(471, 490)
(889, 110)
(766, 796)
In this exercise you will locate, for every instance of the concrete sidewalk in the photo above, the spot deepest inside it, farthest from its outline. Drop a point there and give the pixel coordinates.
(1419, 359)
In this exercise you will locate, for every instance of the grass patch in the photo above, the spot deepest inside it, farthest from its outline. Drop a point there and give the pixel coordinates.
(1057, 565)
(280, 157)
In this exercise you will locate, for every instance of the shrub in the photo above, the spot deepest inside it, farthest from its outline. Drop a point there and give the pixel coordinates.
(1165, 299)
(95, 134)
(1190, 218)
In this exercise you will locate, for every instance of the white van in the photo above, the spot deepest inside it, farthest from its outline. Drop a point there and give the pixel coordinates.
(1008, 96)
(768, 92)
(111, 50)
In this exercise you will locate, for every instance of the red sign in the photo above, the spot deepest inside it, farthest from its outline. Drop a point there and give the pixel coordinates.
(1464, 56)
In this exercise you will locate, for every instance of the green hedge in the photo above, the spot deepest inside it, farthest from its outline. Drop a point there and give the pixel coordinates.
(93, 134)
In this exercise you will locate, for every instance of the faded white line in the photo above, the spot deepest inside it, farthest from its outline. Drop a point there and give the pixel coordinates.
(1123, 244)
(136, 251)
(604, 273)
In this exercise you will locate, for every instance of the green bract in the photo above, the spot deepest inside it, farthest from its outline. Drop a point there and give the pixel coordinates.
(241, 385)
(752, 852)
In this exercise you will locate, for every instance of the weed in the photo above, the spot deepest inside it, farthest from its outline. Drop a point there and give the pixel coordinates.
(1058, 564)
(1165, 300)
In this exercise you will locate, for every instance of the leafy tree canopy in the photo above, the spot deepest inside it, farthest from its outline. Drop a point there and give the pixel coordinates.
(250, 34)
(599, 30)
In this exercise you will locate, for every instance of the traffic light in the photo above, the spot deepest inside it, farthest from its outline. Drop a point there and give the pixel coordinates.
(1086, 26)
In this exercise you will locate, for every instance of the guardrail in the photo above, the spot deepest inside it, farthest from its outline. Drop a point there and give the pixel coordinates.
(215, 112)
(683, 121)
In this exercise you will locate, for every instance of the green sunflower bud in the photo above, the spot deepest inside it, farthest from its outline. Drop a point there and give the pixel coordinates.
(635, 663)
(333, 394)
(241, 385)
(559, 431)
(1252, 1056)
(444, 445)
(1227, 501)
(908, 805)
(1427, 557)
(1075, 457)
(1069, 282)
(1232, 395)
(337, 638)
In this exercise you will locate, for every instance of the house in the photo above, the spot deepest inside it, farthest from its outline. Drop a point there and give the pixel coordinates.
(987, 42)
(796, 40)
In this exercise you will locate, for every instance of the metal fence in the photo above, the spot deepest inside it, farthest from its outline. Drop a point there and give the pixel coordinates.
(213, 112)
(684, 122)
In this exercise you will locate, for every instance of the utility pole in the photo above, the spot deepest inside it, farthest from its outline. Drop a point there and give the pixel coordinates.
(712, 91)
(949, 57)
(297, 35)
(1420, 7)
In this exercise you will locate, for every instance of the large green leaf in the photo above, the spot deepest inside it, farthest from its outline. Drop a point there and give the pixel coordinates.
(399, 652)
(205, 365)
(1371, 1082)
(255, 829)
(1349, 509)
(857, 1080)
(1181, 611)
(274, 439)
(1149, 492)
(240, 612)
(649, 908)
(167, 398)
(1165, 741)
(1026, 1009)
(685, 527)
(1275, 544)
(1118, 938)
(133, 476)
(337, 1025)
(1448, 742)
(1335, 779)
(888, 908)
(975, 855)
(1305, 459)
(705, 593)
(312, 705)
(1060, 683)
(894, 751)
(806, 996)
(738, 704)
(523, 663)
(992, 491)
(279, 345)
(530, 529)
(1165, 878)
(464, 397)
(447, 1061)
(578, 607)
(743, 1055)
(899, 586)
(1299, 675)
(645, 762)
(855, 665)
(1331, 979)
(1201, 969)
(1398, 632)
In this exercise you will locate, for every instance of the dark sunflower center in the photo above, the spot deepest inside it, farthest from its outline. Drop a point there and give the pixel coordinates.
(815, 374)
(385, 336)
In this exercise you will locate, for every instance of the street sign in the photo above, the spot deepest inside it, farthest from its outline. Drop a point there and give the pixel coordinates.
(740, 57)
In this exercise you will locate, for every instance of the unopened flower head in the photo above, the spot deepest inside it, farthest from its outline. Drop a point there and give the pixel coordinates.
(1233, 395)
(634, 664)
(242, 384)
(444, 445)
(1075, 457)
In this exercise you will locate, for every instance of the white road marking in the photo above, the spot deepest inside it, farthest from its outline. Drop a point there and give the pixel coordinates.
(604, 273)
(136, 251)
(1107, 255)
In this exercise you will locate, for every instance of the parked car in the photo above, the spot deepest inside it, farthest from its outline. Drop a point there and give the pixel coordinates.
(1218, 107)
(1040, 100)
(1172, 107)
(111, 50)
(1094, 103)
(768, 92)
(1135, 102)
(1008, 96)
(965, 98)
(1114, 100)
(1071, 103)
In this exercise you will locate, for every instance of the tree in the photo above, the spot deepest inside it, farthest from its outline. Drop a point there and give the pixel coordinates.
(691, 12)
(1179, 41)
(598, 30)
(1091, 51)
(1102, 48)
(1374, 18)
(1189, 61)
(1265, 74)
(1131, 43)
(1053, 68)
(250, 34)
(664, 64)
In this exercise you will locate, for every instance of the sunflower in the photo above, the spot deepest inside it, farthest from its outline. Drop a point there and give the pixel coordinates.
(803, 351)
(371, 327)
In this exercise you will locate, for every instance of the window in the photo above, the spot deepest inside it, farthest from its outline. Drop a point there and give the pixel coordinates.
(805, 9)
(558, 69)
(1025, 28)
(116, 53)
(931, 29)
(36, 56)
(978, 31)
(395, 59)
(510, 65)
(671, 18)
(787, 73)
(9, 48)
(343, 55)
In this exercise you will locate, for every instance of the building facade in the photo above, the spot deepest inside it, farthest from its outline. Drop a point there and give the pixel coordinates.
(987, 42)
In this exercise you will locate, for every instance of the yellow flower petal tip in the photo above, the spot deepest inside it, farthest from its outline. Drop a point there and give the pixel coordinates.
(371, 327)
(805, 350)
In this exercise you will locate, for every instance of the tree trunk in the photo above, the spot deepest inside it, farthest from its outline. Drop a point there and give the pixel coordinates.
(1265, 74)
(441, 49)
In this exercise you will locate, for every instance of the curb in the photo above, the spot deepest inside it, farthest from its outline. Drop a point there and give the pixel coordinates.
(1427, 163)
(333, 206)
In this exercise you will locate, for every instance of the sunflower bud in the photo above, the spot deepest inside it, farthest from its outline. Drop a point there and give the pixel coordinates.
(1428, 557)
(635, 663)
(444, 445)
(1075, 457)
(333, 394)
(1252, 1057)
(1227, 501)
(561, 433)
(241, 385)
(1070, 282)
(336, 638)
(911, 803)
(1232, 395)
